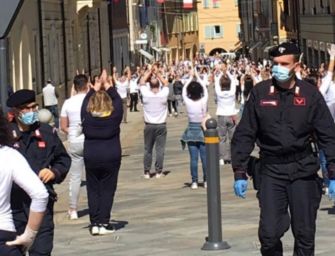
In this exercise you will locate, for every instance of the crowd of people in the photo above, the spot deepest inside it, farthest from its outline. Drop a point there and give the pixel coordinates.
(246, 114)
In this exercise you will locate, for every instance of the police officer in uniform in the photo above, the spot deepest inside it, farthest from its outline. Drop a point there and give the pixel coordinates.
(44, 151)
(282, 115)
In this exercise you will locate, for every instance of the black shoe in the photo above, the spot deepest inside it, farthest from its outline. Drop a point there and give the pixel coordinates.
(227, 161)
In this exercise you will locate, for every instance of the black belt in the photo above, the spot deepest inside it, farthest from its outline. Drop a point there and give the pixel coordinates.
(287, 158)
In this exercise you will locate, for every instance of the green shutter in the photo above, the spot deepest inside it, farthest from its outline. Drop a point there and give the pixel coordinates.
(208, 32)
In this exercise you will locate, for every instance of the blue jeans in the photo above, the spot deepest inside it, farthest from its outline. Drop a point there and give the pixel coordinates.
(54, 111)
(196, 149)
(323, 165)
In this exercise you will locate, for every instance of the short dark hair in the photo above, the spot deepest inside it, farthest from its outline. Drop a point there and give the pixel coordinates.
(195, 91)
(80, 82)
(6, 138)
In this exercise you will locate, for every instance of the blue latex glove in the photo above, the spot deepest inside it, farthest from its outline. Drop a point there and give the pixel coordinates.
(331, 190)
(240, 188)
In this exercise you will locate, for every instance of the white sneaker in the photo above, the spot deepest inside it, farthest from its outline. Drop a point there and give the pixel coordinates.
(106, 229)
(326, 191)
(73, 215)
(221, 162)
(194, 185)
(94, 230)
(158, 175)
(205, 184)
(146, 175)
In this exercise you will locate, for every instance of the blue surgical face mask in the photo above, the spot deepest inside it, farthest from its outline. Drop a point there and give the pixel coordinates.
(29, 118)
(281, 74)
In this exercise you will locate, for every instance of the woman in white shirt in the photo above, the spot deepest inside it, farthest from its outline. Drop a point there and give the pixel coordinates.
(225, 89)
(195, 97)
(17, 170)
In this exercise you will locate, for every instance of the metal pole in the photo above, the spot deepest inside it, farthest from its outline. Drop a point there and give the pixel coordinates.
(3, 74)
(214, 240)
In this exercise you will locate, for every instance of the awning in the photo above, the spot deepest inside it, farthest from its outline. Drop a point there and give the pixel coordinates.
(164, 49)
(252, 48)
(156, 49)
(146, 54)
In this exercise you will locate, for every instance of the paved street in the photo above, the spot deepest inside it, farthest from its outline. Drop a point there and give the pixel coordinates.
(164, 216)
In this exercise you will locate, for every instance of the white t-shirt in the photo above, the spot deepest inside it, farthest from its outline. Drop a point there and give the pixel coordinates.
(71, 109)
(226, 99)
(133, 85)
(154, 105)
(18, 170)
(49, 95)
(196, 110)
(122, 88)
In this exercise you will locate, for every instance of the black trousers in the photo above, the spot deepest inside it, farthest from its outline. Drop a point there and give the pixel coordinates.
(285, 202)
(133, 101)
(8, 250)
(43, 243)
(101, 186)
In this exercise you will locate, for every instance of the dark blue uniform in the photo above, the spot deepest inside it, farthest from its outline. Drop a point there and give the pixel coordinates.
(42, 148)
(282, 123)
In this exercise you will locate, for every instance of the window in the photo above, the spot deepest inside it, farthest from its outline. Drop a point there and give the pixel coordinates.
(216, 3)
(206, 3)
(212, 32)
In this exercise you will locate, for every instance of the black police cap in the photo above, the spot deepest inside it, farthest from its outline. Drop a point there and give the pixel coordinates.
(286, 48)
(21, 97)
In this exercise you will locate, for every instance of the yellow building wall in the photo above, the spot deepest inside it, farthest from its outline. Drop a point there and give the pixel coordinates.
(282, 33)
(225, 15)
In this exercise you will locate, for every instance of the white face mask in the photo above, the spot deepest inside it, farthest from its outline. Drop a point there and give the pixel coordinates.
(281, 74)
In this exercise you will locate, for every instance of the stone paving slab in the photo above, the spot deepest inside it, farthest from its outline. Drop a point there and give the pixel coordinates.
(164, 216)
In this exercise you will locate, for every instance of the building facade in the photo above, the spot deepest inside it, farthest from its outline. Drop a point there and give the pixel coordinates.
(317, 30)
(219, 26)
(181, 31)
(55, 39)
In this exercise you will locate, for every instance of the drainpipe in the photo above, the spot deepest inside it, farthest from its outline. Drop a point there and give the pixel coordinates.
(66, 78)
(88, 45)
(111, 37)
(100, 45)
(40, 26)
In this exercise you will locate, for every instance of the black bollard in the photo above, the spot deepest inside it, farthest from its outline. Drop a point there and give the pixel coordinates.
(214, 239)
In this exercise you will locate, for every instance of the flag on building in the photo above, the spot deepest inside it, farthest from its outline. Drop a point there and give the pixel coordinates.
(188, 4)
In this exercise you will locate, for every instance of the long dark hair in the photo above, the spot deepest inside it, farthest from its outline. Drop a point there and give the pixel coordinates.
(6, 138)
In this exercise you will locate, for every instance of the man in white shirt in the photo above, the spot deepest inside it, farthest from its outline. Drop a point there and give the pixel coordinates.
(71, 125)
(155, 114)
(122, 86)
(50, 96)
(133, 90)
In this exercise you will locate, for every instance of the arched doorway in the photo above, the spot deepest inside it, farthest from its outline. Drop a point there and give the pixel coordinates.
(216, 51)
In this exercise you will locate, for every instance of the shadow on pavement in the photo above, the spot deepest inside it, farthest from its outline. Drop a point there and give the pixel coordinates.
(331, 210)
(82, 213)
(119, 224)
